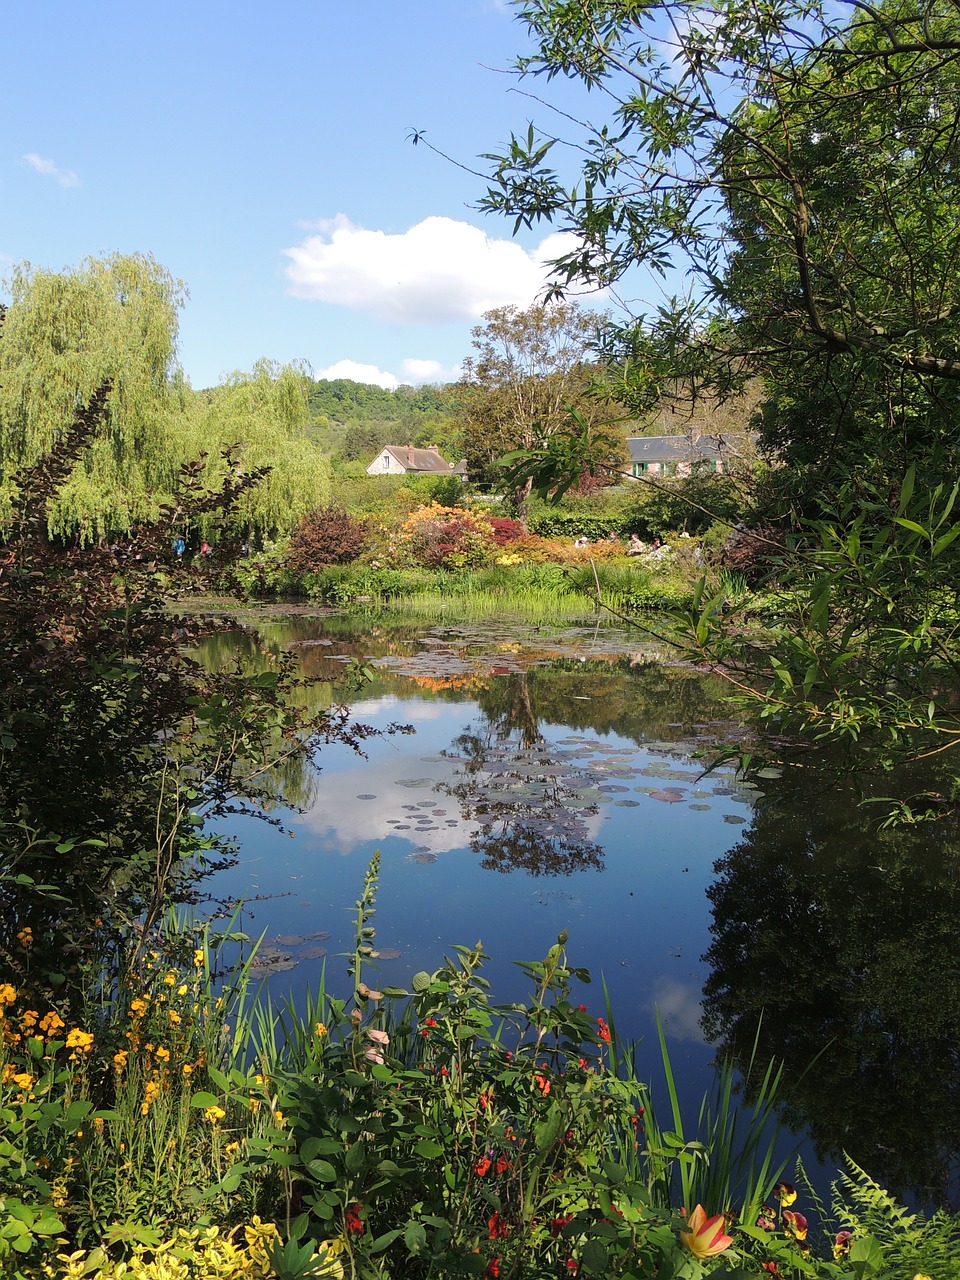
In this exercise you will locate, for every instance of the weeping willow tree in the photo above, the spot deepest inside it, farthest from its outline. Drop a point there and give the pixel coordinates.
(113, 323)
(110, 322)
(265, 413)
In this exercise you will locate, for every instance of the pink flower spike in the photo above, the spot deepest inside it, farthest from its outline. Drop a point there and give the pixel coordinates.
(379, 1037)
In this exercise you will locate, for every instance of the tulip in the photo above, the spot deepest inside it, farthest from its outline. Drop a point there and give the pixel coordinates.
(706, 1237)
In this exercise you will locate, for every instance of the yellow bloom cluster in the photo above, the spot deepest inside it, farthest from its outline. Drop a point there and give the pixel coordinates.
(202, 1253)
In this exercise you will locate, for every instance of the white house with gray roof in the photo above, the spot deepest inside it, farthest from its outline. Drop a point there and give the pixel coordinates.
(404, 460)
(678, 455)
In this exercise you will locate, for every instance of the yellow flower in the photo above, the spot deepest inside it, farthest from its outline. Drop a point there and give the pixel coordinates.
(162, 1053)
(169, 979)
(51, 1023)
(28, 1019)
(120, 1059)
(25, 936)
(706, 1237)
(150, 1091)
(174, 1017)
(187, 1070)
(278, 1119)
(182, 989)
(320, 1029)
(138, 1007)
(214, 1114)
(23, 1080)
(7, 993)
(231, 1147)
(198, 958)
(82, 1040)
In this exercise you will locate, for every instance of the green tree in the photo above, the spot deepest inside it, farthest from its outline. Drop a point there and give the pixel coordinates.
(110, 322)
(798, 163)
(529, 369)
(264, 414)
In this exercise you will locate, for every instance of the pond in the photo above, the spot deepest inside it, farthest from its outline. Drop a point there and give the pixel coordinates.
(555, 780)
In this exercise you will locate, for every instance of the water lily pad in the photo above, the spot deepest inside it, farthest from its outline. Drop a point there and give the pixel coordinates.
(701, 807)
(389, 953)
(318, 934)
(733, 818)
(667, 796)
(312, 953)
(288, 939)
(414, 782)
(627, 804)
(424, 857)
(366, 796)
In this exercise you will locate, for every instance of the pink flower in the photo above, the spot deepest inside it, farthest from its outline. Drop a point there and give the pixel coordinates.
(379, 1037)
(706, 1237)
(373, 1054)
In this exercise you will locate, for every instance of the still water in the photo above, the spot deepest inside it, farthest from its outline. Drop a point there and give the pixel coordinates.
(555, 780)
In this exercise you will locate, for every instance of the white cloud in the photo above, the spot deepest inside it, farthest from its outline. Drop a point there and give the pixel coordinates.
(358, 372)
(419, 371)
(65, 177)
(440, 270)
(412, 371)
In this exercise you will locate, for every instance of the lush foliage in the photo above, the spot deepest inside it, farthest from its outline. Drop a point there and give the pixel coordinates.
(326, 535)
(438, 537)
(112, 324)
(117, 745)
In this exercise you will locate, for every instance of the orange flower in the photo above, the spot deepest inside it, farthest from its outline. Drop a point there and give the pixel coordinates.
(482, 1167)
(706, 1237)
(603, 1031)
(543, 1084)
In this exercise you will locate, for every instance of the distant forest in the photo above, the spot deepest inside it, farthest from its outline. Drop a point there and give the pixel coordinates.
(352, 421)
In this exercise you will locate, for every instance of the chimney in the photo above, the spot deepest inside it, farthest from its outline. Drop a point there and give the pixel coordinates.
(434, 448)
(409, 455)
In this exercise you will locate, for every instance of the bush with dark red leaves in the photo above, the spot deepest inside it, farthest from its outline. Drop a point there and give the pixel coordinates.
(506, 530)
(326, 535)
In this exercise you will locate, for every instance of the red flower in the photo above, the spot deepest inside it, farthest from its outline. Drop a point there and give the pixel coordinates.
(772, 1268)
(582, 1008)
(557, 1224)
(572, 1266)
(492, 1271)
(496, 1227)
(543, 1084)
(503, 1164)
(583, 1062)
(482, 1167)
(353, 1222)
(484, 1100)
(603, 1031)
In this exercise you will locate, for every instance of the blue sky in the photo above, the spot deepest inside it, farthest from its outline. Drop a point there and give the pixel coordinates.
(261, 154)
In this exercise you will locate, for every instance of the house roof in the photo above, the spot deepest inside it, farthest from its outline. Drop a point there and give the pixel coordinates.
(428, 460)
(676, 448)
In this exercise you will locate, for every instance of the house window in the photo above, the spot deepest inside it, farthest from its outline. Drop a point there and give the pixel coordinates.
(386, 460)
(640, 469)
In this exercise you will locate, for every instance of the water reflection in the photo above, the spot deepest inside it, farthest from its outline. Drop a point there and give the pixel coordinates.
(566, 755)
(844, 940)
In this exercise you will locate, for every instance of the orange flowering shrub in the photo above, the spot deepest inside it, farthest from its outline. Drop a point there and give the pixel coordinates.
(438, 537)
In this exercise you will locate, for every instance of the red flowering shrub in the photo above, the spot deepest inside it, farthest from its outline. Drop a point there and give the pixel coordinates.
(326, 535)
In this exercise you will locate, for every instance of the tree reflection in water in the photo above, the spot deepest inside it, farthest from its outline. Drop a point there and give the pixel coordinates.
(844, 940)
(525, 796)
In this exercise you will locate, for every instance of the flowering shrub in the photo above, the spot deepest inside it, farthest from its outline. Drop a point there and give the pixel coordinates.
(446, 537)
(506, 530)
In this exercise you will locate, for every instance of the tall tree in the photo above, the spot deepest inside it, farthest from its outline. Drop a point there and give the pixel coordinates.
(529, 369)
(799, 164)
(109, 323)
(265, 413)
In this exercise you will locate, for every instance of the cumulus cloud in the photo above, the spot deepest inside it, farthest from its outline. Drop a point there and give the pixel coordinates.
(419, 371)
(358, 372)
(413, 371)
(439, 270)
(49, 169)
